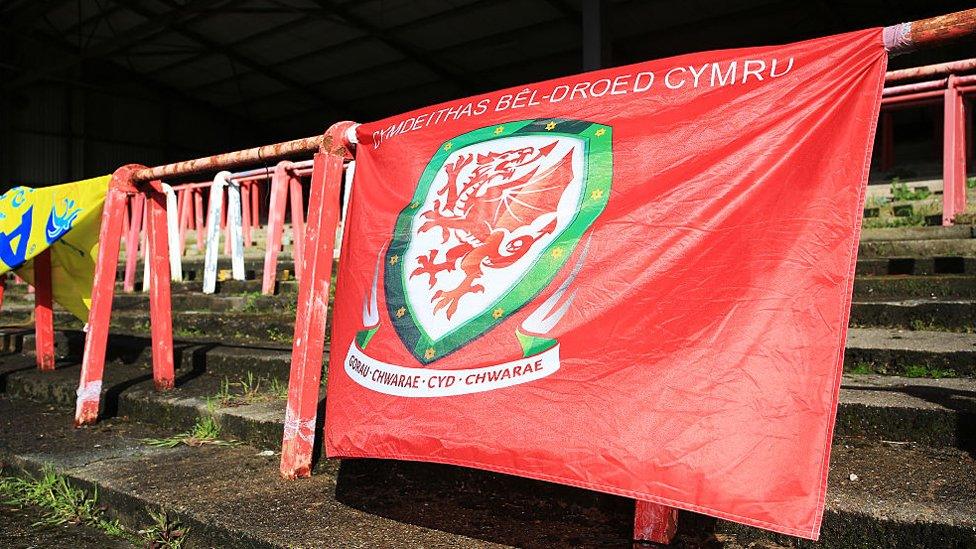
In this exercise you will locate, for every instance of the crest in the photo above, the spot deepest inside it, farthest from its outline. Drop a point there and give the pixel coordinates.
(496, 214)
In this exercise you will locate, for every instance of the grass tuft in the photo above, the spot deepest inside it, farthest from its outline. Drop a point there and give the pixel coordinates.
(206, 430)
(250, 389)
(62, 503)
(165, 532)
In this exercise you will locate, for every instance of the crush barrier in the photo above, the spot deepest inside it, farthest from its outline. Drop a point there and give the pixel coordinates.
(235, 199)
(652, 522)
(954, 90)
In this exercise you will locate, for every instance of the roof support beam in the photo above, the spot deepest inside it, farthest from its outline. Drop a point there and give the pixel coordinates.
(412, 53)
(594, 35)
(154, 25)
(335, 108)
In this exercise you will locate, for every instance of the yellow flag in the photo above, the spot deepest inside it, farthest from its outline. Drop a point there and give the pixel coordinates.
(65, 218)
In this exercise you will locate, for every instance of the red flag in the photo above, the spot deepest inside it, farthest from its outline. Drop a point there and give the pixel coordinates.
(634, 280)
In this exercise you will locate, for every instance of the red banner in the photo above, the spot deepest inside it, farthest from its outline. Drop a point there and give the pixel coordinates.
(634, 280)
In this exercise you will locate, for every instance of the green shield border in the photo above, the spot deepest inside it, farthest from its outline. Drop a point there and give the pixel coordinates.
(598, 166)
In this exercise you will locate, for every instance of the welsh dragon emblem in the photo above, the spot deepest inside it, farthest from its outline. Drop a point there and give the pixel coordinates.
(496, 214)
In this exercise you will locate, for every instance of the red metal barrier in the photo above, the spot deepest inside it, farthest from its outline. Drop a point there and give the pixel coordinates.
(137, 207)
(280, 183)
(950, 91)
(103, 290)
(309, 337)
(43, 311)
(654, 522)
(954, 153)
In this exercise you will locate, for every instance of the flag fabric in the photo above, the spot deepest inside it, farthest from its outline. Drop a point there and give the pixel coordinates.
(65, 218)
(635, 280)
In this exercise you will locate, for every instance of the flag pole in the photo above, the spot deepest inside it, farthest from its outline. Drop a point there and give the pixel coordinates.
(934, 31)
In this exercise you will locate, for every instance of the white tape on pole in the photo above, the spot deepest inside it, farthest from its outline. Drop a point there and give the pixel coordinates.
(173, 235)
(234, 221)
(213, 232)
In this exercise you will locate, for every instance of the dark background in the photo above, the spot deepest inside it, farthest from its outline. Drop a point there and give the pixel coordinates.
(88, 85)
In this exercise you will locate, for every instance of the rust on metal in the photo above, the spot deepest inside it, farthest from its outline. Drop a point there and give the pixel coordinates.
(939, 69)
(934, 31)
(943, 28)
(276, 151)
(916, 87)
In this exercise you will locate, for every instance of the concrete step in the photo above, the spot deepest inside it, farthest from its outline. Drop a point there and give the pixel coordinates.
(871, 287)
(905, 494)
(922, 265)
(954, 232)
(230, 496)
(917, 248)
(896, 351)
(916, 314)
(874, 407)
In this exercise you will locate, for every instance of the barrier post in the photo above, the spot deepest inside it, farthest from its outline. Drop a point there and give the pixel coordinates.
(137, 203)
(3, 288)
(313, 304)
(953, 153)
(160, 307)
(654, 522)
(256, 205)
(103, 290)
(297, 222)
(198, 217)
(43, 311)
(214, 216)
(246, 213)
(235, 232)
(185, 199)
(276, 225)
(173, 233)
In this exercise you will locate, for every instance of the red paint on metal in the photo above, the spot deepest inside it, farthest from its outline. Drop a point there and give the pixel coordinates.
(198, 217)
(160, 308)
(182, 215)
(907, 98)
(938, 69)
(280, 183)
(137, 205)
(297, 208)
(654, 522)
(313, 304)
(103, 290)
(953, 153)
(3, 289)
(246, 213)
(43, 311)
(912, 88)
(256, 205)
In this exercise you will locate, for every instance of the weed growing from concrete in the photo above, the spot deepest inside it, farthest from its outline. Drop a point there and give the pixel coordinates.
(251, 389)
(901, 192)
(188, 331)
(861, 368)
(206, 430)
(165, 532)
(62, 503)
(251, 301)
(274, 334)
(918, 370)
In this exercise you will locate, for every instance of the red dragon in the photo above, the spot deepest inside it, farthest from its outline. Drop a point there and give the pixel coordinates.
(485, 209)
